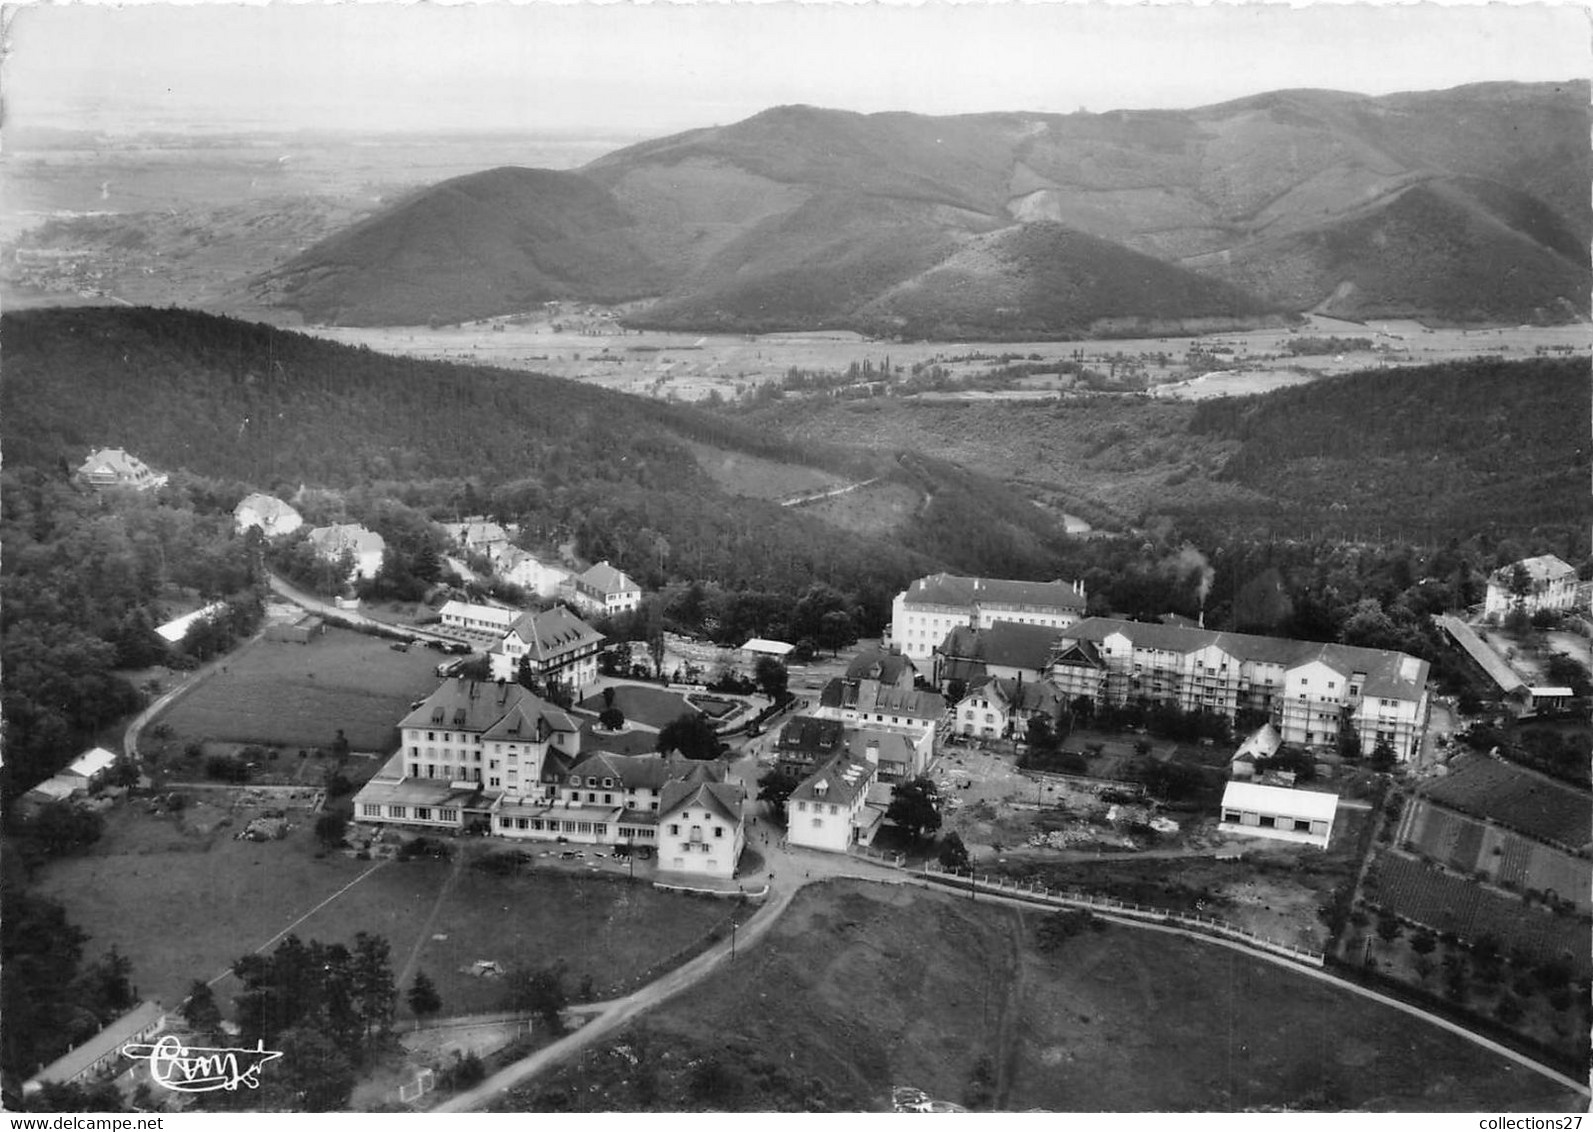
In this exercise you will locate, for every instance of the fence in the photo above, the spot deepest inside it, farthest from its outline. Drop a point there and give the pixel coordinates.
(424, 1082)
(892, 860)
(1206, 925)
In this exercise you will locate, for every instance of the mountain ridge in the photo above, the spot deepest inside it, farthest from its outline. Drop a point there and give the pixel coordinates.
(802, 217)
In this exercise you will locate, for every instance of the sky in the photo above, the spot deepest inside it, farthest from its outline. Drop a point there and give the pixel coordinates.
(640, 69)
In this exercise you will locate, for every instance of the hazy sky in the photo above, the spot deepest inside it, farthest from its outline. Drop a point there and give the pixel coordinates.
(655, 67)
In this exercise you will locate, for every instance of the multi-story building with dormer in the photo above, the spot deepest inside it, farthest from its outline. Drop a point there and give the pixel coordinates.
(933, 606)
(1310, 691)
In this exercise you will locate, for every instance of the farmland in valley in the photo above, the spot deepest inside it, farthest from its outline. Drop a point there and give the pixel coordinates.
(1424, 894)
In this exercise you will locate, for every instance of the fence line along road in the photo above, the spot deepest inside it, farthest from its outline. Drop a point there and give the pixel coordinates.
(1206, 925)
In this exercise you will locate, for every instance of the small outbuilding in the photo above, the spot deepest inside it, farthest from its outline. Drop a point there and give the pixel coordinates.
(1279, 812)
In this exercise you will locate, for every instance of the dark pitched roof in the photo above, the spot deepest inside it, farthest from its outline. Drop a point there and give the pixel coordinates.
(469, 705)
(1027, 696)
(605, 579)
(1008, 644)
(882, 665)
(961, 592)
(1395, 675)
(723, 797)
(837, 782)
(808, 733)
(553, 632)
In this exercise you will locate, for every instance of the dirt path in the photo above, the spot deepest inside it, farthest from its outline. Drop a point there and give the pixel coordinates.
(408, 970)
(615, 1014)
(1006, 1055)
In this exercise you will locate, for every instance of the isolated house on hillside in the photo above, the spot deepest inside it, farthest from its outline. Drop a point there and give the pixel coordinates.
(604, 591)
(1550, 585)
(366, 546)
(933, 606)
(114, 467)
(478, 536)
(519, 568)
(271, 515)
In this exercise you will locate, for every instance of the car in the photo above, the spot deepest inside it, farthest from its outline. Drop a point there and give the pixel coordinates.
(456, 648)
(399, 646)
(440, 646)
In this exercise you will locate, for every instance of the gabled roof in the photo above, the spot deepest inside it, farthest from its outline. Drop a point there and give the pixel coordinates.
(1007, 644)
(893, 746)
(475, 532)
(1308, 804)
(57, 788)
(553, 632)
(508, 711)
(1028, 696)
(1541, 568)
(347, 536)
(92, 762)
(1262, 743)
(605, 579)
(1387, 673)
(906, 701)
(882, 665)
(267, 511)
(632, 772)
(837, 782)
(809, 733)
(118, 464)
(724, 798)
(961, 592)
(108, 1040)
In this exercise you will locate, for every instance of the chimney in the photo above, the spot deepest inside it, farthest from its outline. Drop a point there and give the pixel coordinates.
(1202, 620)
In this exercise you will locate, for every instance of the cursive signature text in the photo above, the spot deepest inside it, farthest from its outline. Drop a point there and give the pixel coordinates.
(199, 1069)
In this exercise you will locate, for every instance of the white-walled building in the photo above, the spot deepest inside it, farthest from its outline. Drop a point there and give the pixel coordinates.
(933, 606)
(827, 810)
(996, 707)
(556, 644)
(700, 827)
(1551, 585)
(1278, 812)
(478, 536)
(604, 591)
(520, 568)
(1309, 690)
(267, 512)
(463, 748)
(116, 467)
(366, 546)
(479, 618)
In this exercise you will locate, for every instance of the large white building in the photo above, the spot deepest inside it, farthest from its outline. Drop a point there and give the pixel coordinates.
(603, 591)
(1551, 585)
(933, 606)
(830, 810)
(555, 644)
(1309, 691)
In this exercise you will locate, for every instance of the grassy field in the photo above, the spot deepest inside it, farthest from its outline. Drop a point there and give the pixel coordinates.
(292, 695)
(183, 899)
(651, 706)
(860, 988)
(619, 933)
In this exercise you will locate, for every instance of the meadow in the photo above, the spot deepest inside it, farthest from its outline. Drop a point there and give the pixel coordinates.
(279, 694)
(861, 987)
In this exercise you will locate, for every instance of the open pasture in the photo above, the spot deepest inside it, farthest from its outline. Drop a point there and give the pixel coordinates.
(860, 988)
(692, 367)
(291, 695)
(620, 933)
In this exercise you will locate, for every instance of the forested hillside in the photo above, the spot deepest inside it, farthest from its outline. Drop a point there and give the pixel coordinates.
(1424, 454)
